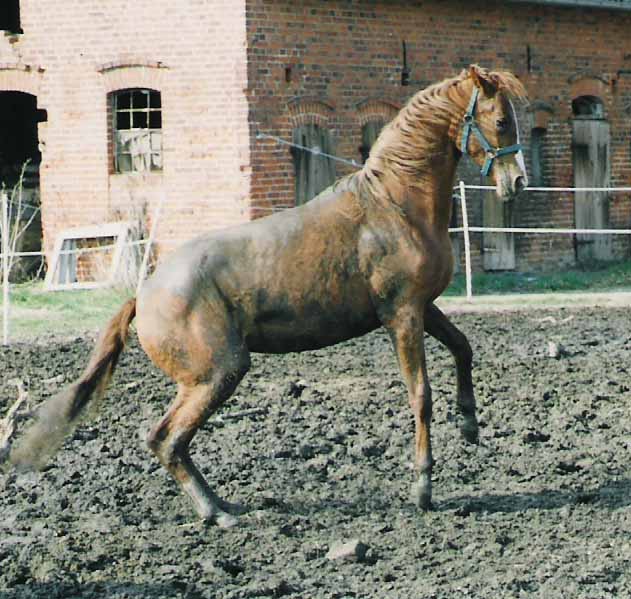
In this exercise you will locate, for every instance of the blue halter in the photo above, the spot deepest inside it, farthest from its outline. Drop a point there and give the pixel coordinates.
(470, 125)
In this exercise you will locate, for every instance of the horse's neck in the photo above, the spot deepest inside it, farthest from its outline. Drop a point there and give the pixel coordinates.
(428, 201)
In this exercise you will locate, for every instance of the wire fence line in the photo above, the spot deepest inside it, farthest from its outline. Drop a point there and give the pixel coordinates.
(314, 151)
(465, 230)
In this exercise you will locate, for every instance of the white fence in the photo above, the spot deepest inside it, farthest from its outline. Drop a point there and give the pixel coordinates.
(466, 230)
(7, 255)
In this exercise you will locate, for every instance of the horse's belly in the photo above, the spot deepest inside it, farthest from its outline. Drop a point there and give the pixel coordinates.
(313, 329)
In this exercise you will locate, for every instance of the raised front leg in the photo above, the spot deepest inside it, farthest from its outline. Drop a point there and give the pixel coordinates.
(406, 331)
(439, 327)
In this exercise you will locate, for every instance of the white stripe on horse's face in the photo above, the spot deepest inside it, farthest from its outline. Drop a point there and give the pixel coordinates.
(519, 157)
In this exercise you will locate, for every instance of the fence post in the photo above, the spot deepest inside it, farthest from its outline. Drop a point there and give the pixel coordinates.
(5, 267)
(467, 245)
(152, 233)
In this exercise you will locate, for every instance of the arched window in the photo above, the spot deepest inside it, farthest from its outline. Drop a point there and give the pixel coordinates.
(313, 172)
(137, 128)
(588, 107)
(540, 113)
(537, 137)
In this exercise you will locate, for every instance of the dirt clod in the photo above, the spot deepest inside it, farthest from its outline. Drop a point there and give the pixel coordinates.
(353, 550)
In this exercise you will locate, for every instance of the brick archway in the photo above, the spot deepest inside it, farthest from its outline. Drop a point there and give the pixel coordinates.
(588, 86)
(541, 113)
(132, 74)
(376, 109)
(309, 111)
(23, 78)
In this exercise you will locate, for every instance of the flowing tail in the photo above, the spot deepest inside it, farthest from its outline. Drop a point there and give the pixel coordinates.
(61, 414)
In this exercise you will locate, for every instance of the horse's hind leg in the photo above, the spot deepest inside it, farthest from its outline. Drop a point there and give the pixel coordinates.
(171, 437)
(439, 327)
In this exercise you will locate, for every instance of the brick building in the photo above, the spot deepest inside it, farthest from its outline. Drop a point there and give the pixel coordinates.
(118, 103)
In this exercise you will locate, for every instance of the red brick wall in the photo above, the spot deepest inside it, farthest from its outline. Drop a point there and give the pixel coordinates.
(229, 69)
(193, 52)
(345, 53)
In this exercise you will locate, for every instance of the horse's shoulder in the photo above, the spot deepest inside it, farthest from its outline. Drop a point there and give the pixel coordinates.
(350, 206)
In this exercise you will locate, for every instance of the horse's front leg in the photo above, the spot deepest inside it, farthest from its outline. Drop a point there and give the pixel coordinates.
(439, 327)
(406, 330)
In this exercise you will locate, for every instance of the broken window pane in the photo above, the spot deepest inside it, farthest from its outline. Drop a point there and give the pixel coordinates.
(124, 163)
(156, 141)
(156, 162)
(138, 135)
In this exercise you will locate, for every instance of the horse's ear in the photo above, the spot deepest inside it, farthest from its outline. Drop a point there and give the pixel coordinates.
(483, 80)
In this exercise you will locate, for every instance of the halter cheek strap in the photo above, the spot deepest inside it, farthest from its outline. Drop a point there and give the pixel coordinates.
(471, 126)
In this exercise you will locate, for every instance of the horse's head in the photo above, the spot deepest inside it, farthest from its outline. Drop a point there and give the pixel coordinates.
(489, 131)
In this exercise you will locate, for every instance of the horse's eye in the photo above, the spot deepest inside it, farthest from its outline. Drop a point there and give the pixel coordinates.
(502, 125)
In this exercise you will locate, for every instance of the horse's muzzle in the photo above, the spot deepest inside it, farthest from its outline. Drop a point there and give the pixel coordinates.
(510, 183)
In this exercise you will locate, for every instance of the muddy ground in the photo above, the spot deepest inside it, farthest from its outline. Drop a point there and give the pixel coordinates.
(541, 508)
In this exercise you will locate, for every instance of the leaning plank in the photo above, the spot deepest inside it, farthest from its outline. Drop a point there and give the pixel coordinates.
(7, 424)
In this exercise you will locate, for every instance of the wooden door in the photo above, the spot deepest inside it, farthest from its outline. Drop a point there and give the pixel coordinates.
(313, 172)
(498, 248)
(590, 158)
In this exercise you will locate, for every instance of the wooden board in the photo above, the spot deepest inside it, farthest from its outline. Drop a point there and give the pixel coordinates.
(590, 158)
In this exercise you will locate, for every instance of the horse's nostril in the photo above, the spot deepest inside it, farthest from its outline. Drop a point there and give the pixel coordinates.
(520, 184)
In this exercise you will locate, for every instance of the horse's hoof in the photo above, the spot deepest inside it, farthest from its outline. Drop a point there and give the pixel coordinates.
(471, 432)
(225, 520)
(421, 495)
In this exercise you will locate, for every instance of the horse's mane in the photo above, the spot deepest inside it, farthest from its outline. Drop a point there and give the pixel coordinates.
(409, 146)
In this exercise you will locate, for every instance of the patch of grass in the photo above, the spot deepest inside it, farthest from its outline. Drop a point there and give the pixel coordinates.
(596, 277)
(35, 312)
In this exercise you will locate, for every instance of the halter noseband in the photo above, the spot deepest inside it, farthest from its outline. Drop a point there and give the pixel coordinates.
(470, 125)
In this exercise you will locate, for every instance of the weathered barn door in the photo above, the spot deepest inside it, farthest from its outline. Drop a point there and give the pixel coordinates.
(499, 248)
(590, 157)
(313, 172)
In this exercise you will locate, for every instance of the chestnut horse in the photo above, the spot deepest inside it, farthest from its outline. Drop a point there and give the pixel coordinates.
(372, 250)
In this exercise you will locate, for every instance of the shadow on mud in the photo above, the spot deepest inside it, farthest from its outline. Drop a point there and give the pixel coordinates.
(613, 495)
(111, 590)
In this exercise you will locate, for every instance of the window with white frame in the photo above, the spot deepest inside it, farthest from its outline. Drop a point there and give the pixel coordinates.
(137, 116)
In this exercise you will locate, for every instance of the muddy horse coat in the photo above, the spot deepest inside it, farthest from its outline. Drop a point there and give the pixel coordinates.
(372, 250)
